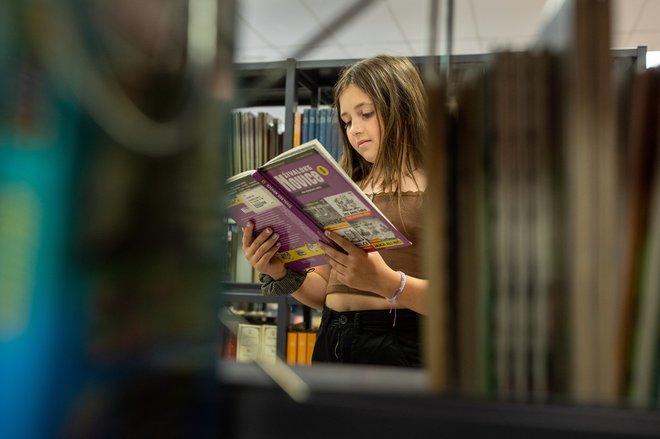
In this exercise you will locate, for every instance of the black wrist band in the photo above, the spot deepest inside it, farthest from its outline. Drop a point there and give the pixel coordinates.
(283, 287)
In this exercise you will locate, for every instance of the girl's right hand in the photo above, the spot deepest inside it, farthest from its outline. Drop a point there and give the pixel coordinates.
(260, 251)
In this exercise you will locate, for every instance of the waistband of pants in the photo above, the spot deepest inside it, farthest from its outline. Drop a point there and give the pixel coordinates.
(372, 319)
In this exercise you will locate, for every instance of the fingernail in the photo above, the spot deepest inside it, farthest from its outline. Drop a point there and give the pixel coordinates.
(326, 233)
(269, 230)
(275, 236)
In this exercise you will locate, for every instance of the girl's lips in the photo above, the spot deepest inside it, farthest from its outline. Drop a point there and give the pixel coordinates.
(362, 142)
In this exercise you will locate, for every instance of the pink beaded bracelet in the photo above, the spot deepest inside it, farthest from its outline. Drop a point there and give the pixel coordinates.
(395, 298)
(397, 294)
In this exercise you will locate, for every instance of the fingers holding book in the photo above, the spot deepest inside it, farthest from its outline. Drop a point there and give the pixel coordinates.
(260, 251)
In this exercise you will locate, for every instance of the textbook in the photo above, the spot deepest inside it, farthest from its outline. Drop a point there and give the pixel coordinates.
(300, 194)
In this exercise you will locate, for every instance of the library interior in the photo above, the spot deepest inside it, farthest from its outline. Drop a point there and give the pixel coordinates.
(151, 150)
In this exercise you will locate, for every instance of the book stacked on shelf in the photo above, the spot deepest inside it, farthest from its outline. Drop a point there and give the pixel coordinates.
(639, 335)
(256, 337)
(255, 138)
(299, 347)
(321, 124)
(259, 342)
(255, 342)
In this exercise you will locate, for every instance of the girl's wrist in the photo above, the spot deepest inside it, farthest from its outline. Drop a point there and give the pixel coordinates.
(280, 275)
(390, 284)
(288, 284)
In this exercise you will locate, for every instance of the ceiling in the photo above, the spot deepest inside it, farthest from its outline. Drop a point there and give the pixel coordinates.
(273, 30)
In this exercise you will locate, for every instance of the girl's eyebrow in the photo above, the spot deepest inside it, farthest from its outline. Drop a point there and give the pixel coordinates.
(358, 106)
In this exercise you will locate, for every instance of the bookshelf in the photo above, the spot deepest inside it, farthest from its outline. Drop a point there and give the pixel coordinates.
(292, 83)
(247, 292)
(495, 115)
(287, 83)
(588, 406)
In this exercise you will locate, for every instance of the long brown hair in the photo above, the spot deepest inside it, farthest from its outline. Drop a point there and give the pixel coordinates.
(395, 86)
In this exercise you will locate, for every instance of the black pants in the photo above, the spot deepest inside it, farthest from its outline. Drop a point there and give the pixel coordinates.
(369, 337)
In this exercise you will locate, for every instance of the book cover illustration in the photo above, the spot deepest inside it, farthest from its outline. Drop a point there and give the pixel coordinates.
(303, 192)
(314, 180)
(252, 201)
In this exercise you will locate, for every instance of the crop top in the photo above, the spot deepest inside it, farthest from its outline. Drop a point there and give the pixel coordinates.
(409, 222)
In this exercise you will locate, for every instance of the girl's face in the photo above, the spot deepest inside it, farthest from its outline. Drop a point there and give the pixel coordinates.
(358, 113)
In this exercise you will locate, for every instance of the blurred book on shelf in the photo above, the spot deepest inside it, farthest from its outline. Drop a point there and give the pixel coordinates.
(547, 182)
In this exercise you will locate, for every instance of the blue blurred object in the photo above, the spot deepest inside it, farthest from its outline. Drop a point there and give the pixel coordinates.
(108, 257)
(41, 310)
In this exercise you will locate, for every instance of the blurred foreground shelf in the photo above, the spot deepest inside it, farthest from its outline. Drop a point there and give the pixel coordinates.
(384, 402)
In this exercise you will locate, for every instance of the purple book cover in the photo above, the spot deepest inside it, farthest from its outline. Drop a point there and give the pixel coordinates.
(308, 175)
(301, 193)
(251, 200)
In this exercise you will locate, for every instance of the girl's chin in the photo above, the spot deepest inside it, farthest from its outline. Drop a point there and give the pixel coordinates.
(366, 154)
(368, 158)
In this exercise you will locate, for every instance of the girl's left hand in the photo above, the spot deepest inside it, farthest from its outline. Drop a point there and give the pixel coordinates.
(359, 269)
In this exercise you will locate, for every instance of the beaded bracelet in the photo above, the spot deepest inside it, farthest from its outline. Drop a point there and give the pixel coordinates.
(397, 294)
(395, 298)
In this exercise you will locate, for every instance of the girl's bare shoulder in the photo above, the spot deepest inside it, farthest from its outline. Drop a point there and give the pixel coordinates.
(415, 183)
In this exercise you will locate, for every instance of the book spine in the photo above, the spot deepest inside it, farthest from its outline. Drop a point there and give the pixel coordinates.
(268, 351)
(313, 123)
(335, 137)
(248, 342)
(323, 126)
(291, 347)
(311, 341)
(301, 354)
(305, 125)
(297, 128)
(229, 348)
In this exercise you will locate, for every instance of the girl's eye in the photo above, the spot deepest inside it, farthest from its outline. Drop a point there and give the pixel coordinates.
(367, 115)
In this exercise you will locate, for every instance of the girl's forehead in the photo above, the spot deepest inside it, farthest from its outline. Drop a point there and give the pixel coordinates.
(354, 93)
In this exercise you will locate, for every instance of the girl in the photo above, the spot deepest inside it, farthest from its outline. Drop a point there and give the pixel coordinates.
(371, 302)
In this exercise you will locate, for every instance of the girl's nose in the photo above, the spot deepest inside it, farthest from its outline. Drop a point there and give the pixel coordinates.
(355, 128)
